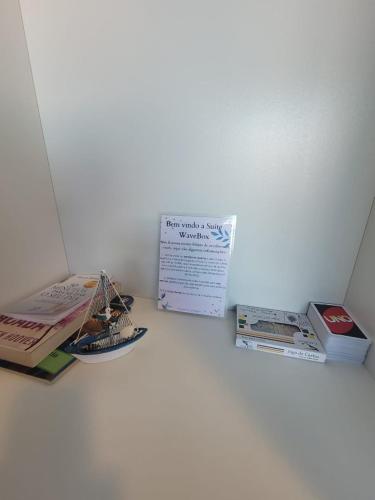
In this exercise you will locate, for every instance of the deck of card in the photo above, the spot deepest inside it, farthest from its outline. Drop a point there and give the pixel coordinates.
(342, 338)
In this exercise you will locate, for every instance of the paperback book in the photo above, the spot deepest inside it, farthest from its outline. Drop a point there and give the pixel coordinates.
(28, 342)
(56, 302)
(49, 369)
(279, 332)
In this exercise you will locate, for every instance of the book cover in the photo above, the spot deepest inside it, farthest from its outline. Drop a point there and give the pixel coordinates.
(273, 324)
(25, 336)
(56, 302)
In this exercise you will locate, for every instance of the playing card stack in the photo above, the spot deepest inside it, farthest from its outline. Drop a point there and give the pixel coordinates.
(342, 338)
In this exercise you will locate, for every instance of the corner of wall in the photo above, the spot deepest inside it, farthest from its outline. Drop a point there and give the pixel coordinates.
(360, 296)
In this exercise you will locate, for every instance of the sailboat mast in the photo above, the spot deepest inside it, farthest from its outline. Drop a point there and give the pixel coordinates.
(103, 282)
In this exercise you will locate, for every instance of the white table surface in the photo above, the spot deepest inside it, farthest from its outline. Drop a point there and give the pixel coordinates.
(187, 415)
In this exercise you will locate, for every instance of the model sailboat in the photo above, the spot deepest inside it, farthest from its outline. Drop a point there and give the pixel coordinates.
(107, 331)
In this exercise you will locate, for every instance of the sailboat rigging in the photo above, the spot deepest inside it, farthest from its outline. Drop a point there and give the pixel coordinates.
(107, 331)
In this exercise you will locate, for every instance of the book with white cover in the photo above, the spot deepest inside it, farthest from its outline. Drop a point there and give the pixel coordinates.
(280, 332)
(56, 302)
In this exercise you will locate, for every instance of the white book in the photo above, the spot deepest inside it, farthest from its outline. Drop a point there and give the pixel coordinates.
(280, 332)
(55, 302)
(281, 348)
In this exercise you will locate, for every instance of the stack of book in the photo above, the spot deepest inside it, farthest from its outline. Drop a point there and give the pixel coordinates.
(34, 328)
(49, 369)
(341, 336)
(280, 332)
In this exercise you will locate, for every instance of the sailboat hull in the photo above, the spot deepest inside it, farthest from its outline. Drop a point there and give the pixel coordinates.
(89, 349)
(100, 357)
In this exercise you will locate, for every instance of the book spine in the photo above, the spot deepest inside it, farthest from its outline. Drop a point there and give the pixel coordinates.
(245, 342)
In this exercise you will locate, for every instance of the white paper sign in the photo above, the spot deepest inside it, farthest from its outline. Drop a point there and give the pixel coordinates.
(194, 260)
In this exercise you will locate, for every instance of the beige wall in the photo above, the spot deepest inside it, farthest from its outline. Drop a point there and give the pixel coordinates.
(31, 247)
(361, 293)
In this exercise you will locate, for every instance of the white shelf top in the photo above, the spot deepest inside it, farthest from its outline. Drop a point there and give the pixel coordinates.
(186, 415)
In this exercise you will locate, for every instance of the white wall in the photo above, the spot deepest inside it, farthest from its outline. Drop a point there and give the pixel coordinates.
(260, 109)
(361, 293)
(31, 248)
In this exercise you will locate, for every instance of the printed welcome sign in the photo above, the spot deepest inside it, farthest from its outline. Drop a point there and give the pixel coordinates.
(194, 261)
